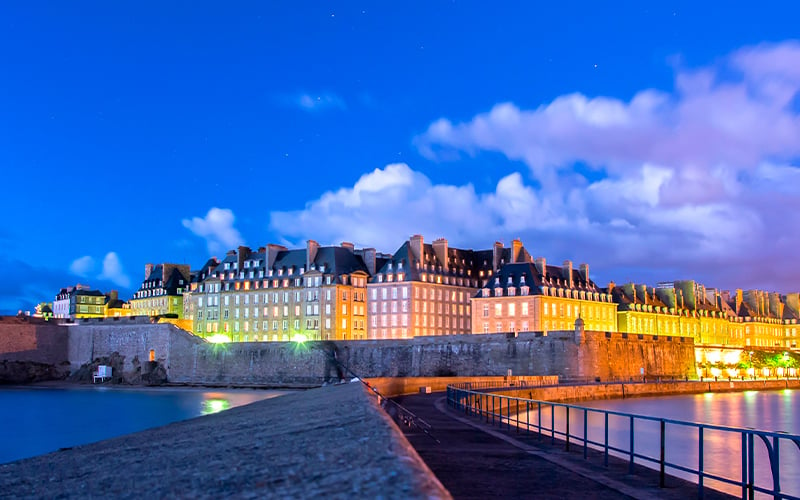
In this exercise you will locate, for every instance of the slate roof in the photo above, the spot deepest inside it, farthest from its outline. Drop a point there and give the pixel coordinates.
(521, 274)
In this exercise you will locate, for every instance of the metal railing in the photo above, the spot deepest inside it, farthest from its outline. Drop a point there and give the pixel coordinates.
(540, 418)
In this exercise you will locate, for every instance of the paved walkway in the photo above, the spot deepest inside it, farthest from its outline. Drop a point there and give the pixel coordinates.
(333, 442)
(477, 461)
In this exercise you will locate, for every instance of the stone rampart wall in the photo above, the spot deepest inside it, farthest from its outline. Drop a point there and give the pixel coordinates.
(33, 340)
(188, 359)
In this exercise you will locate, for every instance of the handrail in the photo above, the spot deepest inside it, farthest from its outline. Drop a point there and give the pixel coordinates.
(496, 409)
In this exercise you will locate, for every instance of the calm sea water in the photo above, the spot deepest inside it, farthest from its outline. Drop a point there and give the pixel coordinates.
(39, 420)
(764, 410)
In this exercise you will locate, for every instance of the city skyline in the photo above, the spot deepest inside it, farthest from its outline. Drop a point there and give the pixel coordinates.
(655, 144)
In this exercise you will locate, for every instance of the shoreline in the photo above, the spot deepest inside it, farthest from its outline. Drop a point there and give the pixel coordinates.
(63, 384)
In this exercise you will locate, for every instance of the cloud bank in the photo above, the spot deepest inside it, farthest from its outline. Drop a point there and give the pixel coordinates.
(216, 228)
(701, 182)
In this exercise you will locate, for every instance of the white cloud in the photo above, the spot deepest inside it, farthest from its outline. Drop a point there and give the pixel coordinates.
(217, 229)
(318, 102)
(113, 272)
(82, 266)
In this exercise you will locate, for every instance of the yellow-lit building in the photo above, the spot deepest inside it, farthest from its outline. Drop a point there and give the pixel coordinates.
(278, 294)
(79, 301)
(529, 296)
(161, 292)
(116, 308)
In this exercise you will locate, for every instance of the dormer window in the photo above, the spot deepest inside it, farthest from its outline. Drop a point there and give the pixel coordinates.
(524, 290)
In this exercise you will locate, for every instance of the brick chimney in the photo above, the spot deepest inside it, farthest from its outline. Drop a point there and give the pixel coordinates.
(541, 266)
(148, 270)
(244, 254)
(272, 253)
(369, 256)
(516, 250)
(415, 244)
(566, 269)
(349, 246)
(584, 269)
(440, 249)
(497, 255)
(311, 253)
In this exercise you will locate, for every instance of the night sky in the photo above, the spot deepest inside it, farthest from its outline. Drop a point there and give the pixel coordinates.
(654, 143)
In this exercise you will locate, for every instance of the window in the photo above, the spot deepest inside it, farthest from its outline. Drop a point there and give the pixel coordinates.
(498, 309)
(524, 309)
(486, 310)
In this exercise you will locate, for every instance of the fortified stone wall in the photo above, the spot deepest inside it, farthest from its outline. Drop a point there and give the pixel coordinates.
(600, 355)
(133, 338)
(188, 359)
(33, 340)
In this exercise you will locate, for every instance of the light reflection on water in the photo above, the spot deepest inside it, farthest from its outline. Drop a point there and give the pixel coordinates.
(763, 410)
(38, 420)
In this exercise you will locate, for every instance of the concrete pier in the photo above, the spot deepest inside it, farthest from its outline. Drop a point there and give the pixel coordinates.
(332, 442)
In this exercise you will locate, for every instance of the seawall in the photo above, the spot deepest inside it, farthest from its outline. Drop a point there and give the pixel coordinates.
(186, 359)
(569, 393)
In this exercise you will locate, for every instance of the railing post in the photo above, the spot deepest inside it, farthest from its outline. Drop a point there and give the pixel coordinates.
(585, 433)
(744, 465)
(553, 424)
(775, 464)
(751, 467)
(631, 443)
(567, 433)
(539, 414)
(605, 445)
(661, 475)
(700, 462)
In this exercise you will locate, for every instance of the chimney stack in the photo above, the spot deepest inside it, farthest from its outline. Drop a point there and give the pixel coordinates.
(440, 249)
(516, 250)
(585, 272)
(311, 253)
(148, 269)
(349, 246)
(541, 266)
(272, 254)
(567, 272)
(416, 244)
(497, 255)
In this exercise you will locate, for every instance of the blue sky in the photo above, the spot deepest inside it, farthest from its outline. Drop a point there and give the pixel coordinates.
(652, 142)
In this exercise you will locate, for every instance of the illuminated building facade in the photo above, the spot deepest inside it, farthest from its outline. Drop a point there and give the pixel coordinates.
(426, 289)
(525, 296)
(161, 292)
(279, 294)
(116, 308)
(79, 301)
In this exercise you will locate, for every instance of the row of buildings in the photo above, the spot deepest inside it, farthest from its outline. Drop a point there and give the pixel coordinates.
(340, 292)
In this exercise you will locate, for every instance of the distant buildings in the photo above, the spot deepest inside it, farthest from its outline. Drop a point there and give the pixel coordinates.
(339, 292)
(161, 292)
(532, 296)
(79, 301)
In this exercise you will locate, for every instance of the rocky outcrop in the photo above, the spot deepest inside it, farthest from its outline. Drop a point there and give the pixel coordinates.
(26, 372)
(147, 373)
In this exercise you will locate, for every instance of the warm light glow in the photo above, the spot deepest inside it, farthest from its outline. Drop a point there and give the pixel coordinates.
(299, 337)
(218, 338)
(214, 406)
(732, 372)
(713, 357)
(716, 372)
(731, 357)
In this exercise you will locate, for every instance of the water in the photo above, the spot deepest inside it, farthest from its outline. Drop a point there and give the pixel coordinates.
(39, 420)
(763, 410)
